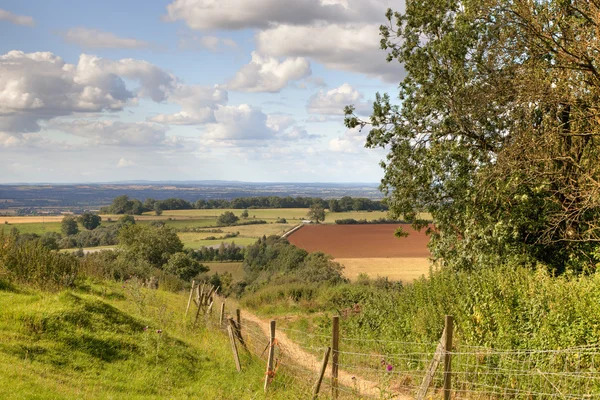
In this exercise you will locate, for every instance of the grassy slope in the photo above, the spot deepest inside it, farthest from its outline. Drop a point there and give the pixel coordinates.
(235, 268)
(91, 343)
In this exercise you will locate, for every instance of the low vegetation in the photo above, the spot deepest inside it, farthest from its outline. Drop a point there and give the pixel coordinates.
(68, 332)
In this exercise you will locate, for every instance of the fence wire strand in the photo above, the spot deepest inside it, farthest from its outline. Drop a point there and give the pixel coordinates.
(398, 368)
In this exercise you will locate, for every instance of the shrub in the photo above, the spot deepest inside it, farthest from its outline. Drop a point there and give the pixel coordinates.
(32, 263)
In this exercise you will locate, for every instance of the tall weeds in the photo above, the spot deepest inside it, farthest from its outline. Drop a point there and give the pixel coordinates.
(33, 264)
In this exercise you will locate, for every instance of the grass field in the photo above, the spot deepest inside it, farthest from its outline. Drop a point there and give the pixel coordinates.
(234, 268)
(114, 341)
(38, 228)
(330, 217)
(191, 240)
(267, 214)
(396, 269)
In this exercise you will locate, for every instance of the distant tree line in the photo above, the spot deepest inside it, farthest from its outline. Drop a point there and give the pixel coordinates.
(225, 252)
(125, 205)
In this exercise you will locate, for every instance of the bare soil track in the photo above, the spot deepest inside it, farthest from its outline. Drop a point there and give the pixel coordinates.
(356, 241)
(310, 362)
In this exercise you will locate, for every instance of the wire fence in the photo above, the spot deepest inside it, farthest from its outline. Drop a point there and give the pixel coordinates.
(476, 372)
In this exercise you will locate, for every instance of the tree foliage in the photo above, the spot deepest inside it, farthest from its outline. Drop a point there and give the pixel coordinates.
(154, 245)
(316, 213)
(227, 218)
(496, 134)
(89, 221)
(68, 226)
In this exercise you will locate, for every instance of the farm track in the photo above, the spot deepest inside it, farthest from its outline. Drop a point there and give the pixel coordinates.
(310, 362)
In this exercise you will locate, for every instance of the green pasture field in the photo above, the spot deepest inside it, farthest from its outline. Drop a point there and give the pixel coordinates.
(258, 213)
(234, 268)
(38, 228)
(106, 340)
(330, 217)
(248, 234)
(192, 241)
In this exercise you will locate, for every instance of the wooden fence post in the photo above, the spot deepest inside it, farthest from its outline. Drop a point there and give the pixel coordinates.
(236, 356)
(335, 343)
(238, 317)
(238, 333)
(190, 299)
(437, 358)
(449, 327)
(222, 314)
(271, 355)
(321, 373)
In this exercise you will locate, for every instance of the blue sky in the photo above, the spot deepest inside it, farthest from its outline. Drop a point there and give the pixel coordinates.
(249, 90)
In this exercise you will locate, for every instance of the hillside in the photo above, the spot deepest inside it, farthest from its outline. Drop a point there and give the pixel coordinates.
(110, 340)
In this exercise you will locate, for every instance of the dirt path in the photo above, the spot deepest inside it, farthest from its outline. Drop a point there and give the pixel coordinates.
(310, 362)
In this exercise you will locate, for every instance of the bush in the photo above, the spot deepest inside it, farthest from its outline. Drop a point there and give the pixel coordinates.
(32, 263)
(227, 218)
(183, 266)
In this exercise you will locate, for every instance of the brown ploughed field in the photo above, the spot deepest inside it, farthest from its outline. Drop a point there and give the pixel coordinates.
(362, 241)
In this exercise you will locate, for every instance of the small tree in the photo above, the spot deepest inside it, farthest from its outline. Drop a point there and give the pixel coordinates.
(69, 226)
(157, 208)
(183, 266)
(89, 220)
(245, 214)
(316, 213)
(227, 218)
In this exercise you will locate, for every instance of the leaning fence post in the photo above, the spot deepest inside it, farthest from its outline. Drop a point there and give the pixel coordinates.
(190, 299)
(236, 356)
(449, 326)
(335, 343)
(271, 355)
(238, 333)
(321, 373)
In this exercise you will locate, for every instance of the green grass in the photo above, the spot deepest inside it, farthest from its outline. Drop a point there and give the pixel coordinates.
(248, 234)
(234, 268)
(194, 240)
(330, 217)
(38, 228)
(259, 213)
(91, 343)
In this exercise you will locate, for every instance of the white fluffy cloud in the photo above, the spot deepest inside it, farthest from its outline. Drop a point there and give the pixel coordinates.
(243, 14)
(340, 34)
(16, 19)
(333, 101)
(267, 74)
(352, 141)
(198, 104)
(37, 87)
(350, 47)
(239, 123)
(115, 133)
(247, 126)
(41, 86)
(94, 38)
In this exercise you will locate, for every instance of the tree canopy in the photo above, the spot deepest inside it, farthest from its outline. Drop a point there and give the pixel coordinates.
(496, 129)
(89, 220)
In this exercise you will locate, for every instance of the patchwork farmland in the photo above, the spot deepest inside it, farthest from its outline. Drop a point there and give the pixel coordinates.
(369, 249)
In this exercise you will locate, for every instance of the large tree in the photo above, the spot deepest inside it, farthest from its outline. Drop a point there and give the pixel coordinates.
(68, 226)
(90, 221)
(495, 133)
(316, 213)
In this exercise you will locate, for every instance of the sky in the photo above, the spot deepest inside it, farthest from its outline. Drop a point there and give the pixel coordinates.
(248, 90)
